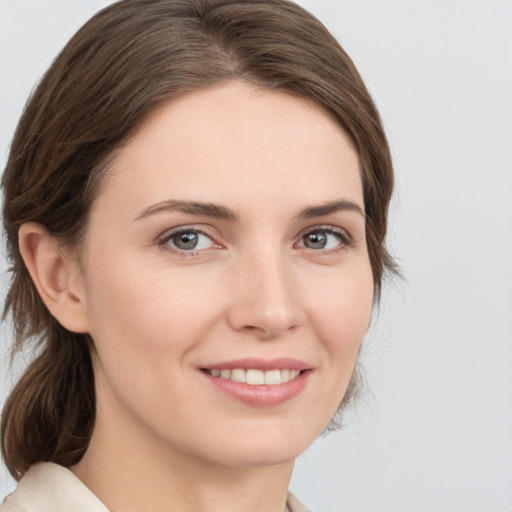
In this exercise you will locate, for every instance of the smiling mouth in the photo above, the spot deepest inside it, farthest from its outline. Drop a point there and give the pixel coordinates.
(255, 377)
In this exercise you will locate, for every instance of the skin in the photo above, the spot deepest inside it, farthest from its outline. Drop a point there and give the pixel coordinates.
(253, 288)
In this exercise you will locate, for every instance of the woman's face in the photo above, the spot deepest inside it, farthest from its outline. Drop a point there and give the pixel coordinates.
(227, 245)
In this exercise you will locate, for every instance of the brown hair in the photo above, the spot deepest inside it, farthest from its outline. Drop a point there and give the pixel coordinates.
(112, 74)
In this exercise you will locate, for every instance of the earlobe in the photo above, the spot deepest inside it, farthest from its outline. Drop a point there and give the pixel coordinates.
(54, 276)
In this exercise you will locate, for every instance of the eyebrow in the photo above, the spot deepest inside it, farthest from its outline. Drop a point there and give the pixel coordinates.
(330, 207)
(190, 207)
(221, 212)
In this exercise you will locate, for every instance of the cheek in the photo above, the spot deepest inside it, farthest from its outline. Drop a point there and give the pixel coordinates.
(341, 320)
(132, 290)
(339, 312)
(148, 312)
(342, 309)
(144, 323)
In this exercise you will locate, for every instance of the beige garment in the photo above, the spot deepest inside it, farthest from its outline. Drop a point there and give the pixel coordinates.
(48, 487)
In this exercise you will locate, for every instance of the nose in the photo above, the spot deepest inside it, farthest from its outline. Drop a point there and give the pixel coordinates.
(264, 298)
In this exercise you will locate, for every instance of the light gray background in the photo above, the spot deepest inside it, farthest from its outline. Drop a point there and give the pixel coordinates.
(436, 432)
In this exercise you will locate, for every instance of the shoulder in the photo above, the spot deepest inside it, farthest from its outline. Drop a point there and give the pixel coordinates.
(9, 506)
(48, 487)
(294, 505)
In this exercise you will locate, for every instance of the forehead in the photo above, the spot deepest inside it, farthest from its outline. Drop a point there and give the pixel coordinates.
(235, 142)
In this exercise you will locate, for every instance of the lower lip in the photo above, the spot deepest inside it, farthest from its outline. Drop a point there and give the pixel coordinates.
(260, 395)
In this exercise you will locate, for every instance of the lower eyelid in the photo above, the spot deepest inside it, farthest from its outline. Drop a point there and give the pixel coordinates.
(345, 239)
(165, 242)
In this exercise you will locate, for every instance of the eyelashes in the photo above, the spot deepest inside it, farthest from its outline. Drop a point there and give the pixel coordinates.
(190, 241)
(327, 238)
(187, 241)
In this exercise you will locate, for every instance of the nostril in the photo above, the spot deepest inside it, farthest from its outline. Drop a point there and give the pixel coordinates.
(267, 310)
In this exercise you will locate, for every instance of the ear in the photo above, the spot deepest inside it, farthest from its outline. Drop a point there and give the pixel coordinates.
(56, 277)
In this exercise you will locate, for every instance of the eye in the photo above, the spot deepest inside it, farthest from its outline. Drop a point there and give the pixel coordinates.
(328, 238)
(187, 240)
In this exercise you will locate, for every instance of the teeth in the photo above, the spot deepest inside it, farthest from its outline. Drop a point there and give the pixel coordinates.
(256, 377)
(238, 375)
(272, 377)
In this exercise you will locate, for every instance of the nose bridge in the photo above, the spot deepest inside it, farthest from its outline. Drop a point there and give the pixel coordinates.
(265, 299)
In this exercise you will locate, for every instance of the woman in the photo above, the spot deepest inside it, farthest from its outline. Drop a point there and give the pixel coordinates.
(195, 204)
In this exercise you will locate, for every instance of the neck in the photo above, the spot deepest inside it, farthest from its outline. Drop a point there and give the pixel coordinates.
(132, 472)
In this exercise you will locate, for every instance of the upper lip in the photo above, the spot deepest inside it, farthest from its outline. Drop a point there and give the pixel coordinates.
(283, 363)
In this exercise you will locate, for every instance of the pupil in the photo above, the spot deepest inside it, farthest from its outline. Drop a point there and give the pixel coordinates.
(316, 240)
(186, 241)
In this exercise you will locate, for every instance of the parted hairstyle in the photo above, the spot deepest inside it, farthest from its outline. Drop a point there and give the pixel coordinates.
(116, 70)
